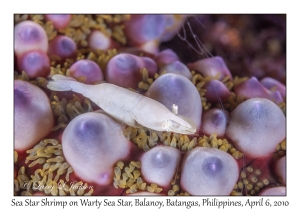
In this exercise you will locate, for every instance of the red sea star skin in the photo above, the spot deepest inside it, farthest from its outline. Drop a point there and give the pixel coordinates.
(33, 115)
(29, 36)
(208, 171)
(176, 89)
(92, 137)
(59, 21)
(35, 63)
(63, 46)
(86, 71)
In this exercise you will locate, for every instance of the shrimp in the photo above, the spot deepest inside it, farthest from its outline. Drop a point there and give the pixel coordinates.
(133, 109)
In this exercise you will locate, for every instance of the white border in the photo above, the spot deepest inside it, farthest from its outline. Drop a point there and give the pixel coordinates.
(8, 8)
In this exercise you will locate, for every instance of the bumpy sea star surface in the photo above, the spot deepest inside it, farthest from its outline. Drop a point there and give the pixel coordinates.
(227, 80)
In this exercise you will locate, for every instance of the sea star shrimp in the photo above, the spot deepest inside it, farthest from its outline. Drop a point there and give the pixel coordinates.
(126, 106)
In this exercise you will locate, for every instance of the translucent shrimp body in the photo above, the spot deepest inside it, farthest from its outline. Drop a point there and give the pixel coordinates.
(126, 106)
